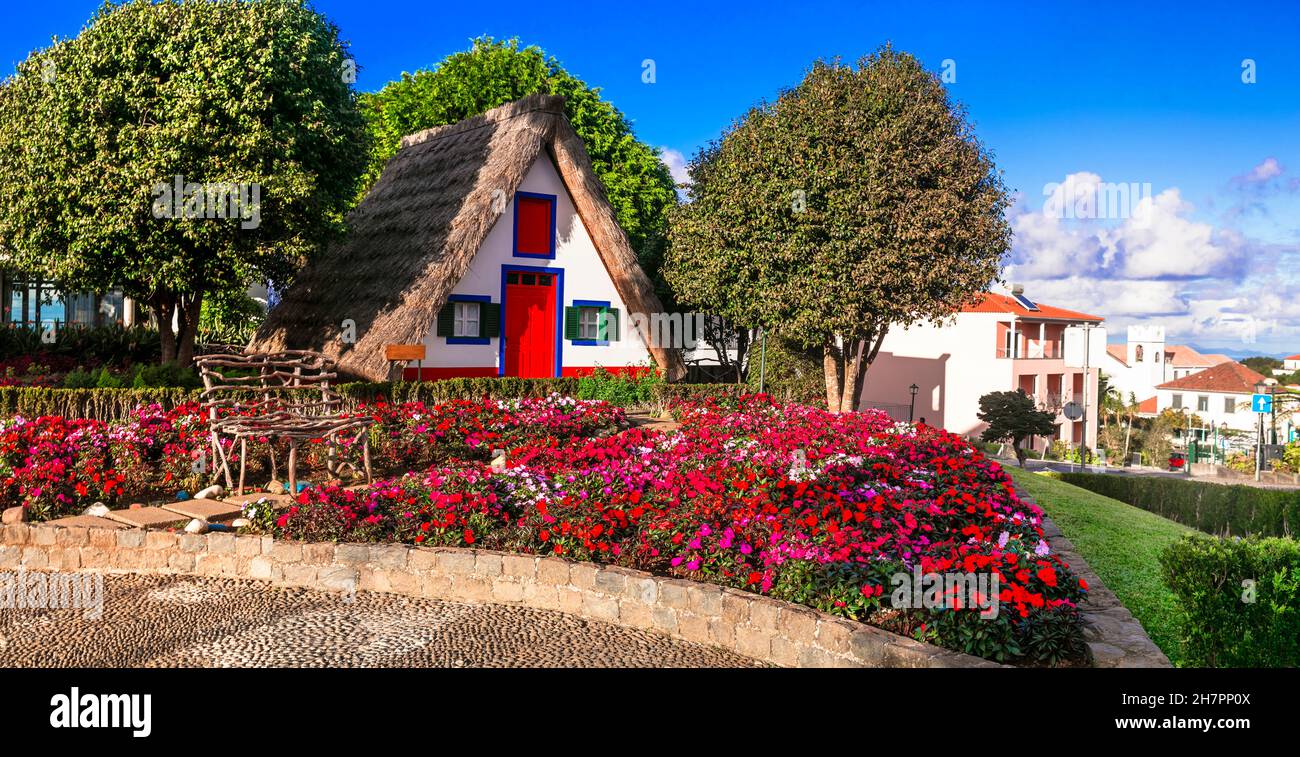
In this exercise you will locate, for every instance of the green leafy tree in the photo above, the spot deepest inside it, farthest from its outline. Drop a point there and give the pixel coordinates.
(1012, 416)
(857, 202)
(1262, 364)
(492, 73)
(245, 100)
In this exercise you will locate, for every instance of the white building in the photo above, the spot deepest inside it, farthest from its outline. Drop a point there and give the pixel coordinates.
(1145, 361)
(1004, 342)
(1219, 397)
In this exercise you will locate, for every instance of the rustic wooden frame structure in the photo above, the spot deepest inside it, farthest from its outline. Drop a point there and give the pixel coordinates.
(284, 404)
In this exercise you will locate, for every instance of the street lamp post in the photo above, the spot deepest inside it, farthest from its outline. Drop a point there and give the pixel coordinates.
(911, 408)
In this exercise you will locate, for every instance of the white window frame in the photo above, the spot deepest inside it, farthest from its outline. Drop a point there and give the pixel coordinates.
(466, 319)
(1202, 404)
(589, 323)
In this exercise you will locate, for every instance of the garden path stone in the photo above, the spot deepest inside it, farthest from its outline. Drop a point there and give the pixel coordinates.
(187, 621)
(148, 517)
(86, 521)
(211, 510)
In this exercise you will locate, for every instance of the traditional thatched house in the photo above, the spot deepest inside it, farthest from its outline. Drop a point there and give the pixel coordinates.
(491, 242)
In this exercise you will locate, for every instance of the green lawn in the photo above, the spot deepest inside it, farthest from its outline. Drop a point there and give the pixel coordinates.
(1121, 543)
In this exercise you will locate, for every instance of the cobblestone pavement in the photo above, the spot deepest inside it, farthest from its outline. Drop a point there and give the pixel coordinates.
(170, 621)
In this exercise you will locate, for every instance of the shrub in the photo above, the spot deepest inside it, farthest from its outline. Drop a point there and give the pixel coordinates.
(624, 390)
(1213, 508)
(1241, 599)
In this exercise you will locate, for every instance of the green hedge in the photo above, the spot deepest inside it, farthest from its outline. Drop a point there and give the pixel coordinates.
(1241, 599)
(115, 404)
(1213, 508)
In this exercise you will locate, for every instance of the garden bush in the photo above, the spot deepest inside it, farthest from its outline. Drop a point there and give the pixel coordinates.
(87, 399)
(1216, 509)
(1241, 599)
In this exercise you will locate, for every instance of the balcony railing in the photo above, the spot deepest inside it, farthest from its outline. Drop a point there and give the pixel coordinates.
(1034, 351)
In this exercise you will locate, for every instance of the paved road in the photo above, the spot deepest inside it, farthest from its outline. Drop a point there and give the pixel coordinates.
(170, 621)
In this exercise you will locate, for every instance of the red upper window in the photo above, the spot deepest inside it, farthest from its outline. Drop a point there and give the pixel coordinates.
(535, 225)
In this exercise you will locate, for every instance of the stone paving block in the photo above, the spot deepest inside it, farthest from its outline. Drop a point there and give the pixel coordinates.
(211, 510)
(85, 521)
(148, 517)
(276, 501)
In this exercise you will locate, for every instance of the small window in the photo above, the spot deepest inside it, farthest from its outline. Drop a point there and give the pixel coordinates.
(529, 279)
(1139, 353)
(466, 321)
(512, 278)
(1229, 405)
(543, 280)
(1178, 401)
(534, 225)
(1202, 404)
(589, 323)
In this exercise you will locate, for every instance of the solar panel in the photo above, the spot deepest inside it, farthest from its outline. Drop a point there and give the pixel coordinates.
(1025, 301)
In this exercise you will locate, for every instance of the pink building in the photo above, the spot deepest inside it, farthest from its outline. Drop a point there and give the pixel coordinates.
(1002, 343)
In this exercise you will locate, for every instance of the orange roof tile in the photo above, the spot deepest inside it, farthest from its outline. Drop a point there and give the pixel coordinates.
(991, 302)
(1148, 406)
(1184, 356)
(1233, 378)
(1119, 352)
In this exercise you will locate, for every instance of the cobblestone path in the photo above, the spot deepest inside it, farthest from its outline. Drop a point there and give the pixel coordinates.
(170, 621)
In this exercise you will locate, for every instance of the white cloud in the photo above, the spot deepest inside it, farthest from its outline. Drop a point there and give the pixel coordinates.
(676, 163)
(1267, 170)
(1154, 262)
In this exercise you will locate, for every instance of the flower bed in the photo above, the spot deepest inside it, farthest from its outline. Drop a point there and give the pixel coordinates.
(784, 500)
(54, 467)
(788, 501)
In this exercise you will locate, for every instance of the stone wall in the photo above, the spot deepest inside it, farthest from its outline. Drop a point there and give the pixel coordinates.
(749, 624)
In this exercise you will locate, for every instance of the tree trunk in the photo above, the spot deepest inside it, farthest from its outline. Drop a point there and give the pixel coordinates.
(845, 364)
(177, 342)
(833, 368)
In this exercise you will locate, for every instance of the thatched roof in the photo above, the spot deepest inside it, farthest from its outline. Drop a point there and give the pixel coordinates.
(417, 231)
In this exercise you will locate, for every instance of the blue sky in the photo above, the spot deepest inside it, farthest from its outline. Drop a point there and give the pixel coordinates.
(1149, 94)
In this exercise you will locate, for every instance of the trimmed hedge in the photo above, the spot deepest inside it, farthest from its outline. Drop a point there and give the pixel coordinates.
(1241, 599)
(116, 404)
(1216, 509)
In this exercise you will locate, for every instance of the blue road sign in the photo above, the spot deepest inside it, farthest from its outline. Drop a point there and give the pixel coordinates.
(1262, 403)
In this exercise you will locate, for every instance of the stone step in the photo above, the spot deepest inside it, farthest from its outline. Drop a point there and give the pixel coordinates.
(148, 517)
(85, 521)
(211, 510)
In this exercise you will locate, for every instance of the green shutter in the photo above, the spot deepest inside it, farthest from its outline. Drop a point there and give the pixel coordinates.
(571, 323)
(609, 324)
(489, 320)
(446, 317)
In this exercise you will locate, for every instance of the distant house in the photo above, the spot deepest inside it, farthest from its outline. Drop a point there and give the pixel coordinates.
(1291, 364)
(489, 241)
(32, 301)
(1145, 361)
(1218, 396)
(1001, 343)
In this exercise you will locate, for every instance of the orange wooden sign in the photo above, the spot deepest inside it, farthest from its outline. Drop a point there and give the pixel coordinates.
(396, 352)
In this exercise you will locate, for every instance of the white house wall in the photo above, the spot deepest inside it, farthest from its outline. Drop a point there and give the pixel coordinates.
(585, 278)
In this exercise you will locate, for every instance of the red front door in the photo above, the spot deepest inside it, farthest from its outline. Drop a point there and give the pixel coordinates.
(530, 324)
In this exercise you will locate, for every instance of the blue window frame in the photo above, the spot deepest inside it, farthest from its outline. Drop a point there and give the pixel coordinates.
(598, 305)
(514, 245)
(482, 298)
